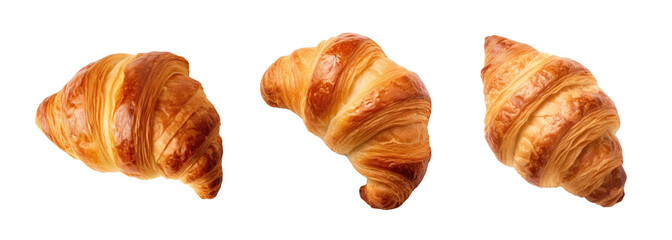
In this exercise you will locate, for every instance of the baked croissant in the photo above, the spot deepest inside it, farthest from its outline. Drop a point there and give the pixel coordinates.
(363, 106)
(141, 115)
(548, 119)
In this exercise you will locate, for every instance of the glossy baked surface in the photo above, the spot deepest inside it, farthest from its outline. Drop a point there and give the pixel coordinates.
(141, 115)
(363, 106)
(547, 118)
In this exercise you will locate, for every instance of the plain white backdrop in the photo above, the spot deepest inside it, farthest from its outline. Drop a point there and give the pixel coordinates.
(280, 181)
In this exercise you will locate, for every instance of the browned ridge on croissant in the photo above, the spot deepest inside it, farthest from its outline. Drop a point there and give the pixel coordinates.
(363, 106)
(141, 115)
(548, 119)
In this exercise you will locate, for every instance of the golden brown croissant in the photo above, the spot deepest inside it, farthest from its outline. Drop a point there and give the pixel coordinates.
(141, 115)
(547, 118)
(363, 106)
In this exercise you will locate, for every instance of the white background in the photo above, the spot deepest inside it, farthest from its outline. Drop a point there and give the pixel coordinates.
(280, 181)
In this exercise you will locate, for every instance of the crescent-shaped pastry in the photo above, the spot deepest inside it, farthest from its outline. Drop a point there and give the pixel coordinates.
(363, 106)
(141, 115)
(548, 119)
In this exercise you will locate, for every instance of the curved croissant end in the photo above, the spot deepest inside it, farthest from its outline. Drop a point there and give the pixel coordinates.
(547, 118)
(363, 106)
(141, 115)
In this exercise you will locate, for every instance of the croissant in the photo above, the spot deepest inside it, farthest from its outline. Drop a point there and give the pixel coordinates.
(547, 118)
(141, 115)
(363, 106)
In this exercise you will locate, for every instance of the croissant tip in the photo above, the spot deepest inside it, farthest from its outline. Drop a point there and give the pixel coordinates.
(384, 201)
(41, 118)
(613, 201)
(493, 39)
(208, 189)
(362, 193)
(611, 191)
(207, 193)
(269, 85)
(352, 34)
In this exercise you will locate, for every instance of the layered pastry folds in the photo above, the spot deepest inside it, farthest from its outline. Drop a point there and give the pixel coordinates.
(547, 118)
(141, 115)
(363, 106)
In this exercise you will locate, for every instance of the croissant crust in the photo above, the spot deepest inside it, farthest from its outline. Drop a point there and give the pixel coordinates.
(547, 118)
(363, 106)
(141, 115)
